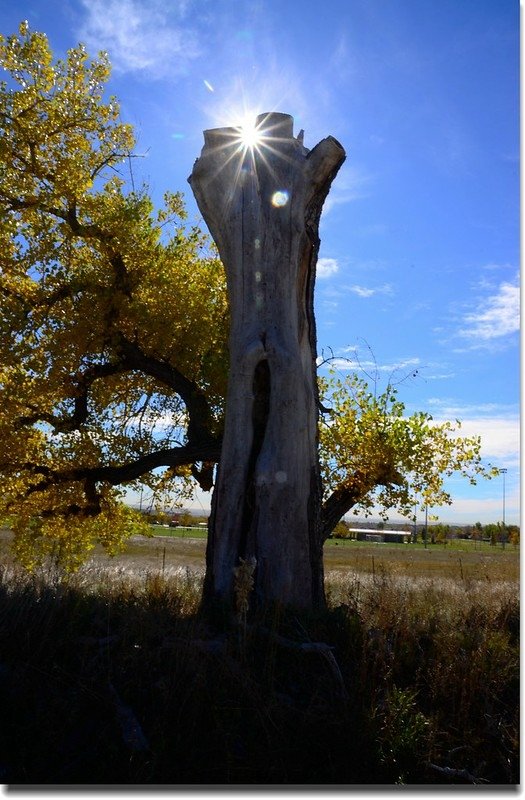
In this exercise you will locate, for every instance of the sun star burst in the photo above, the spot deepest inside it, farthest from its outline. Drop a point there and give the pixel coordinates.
(249, 134)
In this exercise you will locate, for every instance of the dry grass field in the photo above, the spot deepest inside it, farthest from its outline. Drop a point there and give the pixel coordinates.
(462, 561)
(490, 564)
(410, 677)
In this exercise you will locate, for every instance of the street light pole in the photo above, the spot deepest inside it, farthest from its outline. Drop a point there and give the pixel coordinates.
(503, 472)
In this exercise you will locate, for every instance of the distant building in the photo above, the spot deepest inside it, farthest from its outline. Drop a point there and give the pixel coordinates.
(374, 535)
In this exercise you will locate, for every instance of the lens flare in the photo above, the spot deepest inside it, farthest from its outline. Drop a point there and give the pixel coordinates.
(279, 199)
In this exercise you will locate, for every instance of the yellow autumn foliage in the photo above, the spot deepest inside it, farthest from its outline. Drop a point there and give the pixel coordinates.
(107, 306)
(386, 458)
(113, 335)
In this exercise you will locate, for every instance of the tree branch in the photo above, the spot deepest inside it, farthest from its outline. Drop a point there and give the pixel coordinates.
(133, 357)
(80, 414)
(342, 499)
(130, 357)
(348, 494)
(117, 474)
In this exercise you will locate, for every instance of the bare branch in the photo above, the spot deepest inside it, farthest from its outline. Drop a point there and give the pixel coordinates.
(123, 473)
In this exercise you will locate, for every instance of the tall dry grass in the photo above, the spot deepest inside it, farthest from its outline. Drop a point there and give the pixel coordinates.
(114, 677)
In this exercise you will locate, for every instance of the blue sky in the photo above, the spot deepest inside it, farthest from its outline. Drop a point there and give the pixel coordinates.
(420, 254)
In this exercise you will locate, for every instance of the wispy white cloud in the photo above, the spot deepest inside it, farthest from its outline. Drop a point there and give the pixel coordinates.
(369, 291)
(486, 510)
(500, 438)
(408, 365)
(354, 363)
(498, 425)
(439, 376)
(496, 316)
(140, 36)
(451, 408)
(327, 267)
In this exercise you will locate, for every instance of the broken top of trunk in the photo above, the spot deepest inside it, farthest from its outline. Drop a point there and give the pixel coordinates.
(262, 203)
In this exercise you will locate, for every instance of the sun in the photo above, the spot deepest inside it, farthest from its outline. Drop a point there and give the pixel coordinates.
(250, 136)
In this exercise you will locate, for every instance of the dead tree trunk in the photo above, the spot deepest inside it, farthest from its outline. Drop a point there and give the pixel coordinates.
(262, 205)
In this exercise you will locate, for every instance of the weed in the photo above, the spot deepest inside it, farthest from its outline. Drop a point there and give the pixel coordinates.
(113, 677)
(404, 733)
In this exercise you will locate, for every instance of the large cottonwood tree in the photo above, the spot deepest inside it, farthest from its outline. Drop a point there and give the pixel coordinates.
(113, 336)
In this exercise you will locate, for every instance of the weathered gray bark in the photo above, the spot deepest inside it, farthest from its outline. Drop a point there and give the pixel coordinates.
(262, 206)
